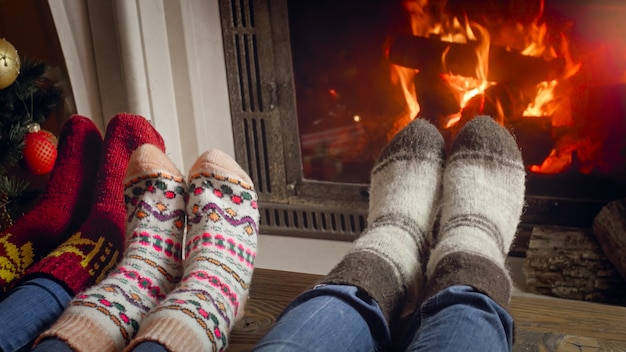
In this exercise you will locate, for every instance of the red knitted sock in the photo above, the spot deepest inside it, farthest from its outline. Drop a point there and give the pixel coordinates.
(63, 206)
(87, 256)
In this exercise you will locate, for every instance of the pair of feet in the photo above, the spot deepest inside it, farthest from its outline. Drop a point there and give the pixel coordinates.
(477, 192)
(154, 294)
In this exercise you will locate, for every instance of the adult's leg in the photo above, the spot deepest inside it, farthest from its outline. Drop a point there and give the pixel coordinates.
(460, 318)
(469, 288)
(28, 310)
(329, 318)
(384, 268)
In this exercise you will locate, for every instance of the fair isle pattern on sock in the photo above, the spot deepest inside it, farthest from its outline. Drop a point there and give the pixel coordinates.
(112, 310)
(387, 260)
(220, 252)
(483, 197)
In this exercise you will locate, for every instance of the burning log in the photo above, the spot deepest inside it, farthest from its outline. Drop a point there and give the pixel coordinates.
(426, 55)
(609, 228)
(569, 263)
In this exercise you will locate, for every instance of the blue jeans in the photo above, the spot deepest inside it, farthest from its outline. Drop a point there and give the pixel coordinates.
(32, 307)
(28, 310)
(343, 318)
(60, 346)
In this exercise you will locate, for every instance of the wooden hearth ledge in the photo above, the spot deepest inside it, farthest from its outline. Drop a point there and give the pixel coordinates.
(542, 323)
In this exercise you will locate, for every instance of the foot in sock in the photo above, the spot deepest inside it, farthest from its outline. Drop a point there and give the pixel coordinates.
(63, 206)
(220, 252)
(151, 266)
(387, 260)
(483, 197)
(86, 256)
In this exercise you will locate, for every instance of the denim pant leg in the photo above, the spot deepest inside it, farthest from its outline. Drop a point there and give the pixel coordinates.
(461, 319)
(60, 346)
(329, 318)
(28, 310)
(149, 346)
(52, 344)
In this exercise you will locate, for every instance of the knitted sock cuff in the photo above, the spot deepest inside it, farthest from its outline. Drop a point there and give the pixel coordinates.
(173, 333)
(80, 334)
(375, 275)
(482, 274)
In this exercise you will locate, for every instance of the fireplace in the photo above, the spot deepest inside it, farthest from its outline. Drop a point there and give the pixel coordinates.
(317, 88)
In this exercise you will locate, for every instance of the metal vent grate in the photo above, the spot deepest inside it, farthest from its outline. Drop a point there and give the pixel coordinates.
(313, 222)
(242, 13)
(246, 51)
(256, 149)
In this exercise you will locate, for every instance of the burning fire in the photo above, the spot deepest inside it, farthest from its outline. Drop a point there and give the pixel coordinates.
(548, 102)
(550, 98)
(467, 88)
(450, 30)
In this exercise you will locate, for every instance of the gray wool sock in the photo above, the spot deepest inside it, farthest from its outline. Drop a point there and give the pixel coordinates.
(483, 197)
(386, 261)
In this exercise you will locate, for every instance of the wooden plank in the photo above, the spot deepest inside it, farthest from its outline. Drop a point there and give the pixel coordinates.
(561, 317)
(270, 292)
(542, 323)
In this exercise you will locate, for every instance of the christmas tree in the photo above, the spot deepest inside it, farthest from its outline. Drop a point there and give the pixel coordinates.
(27, 97)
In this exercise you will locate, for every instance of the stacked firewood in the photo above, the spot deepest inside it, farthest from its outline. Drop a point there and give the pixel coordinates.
(581, 263)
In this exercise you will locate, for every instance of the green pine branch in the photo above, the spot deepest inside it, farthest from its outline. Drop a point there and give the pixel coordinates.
(16, 196)
(31, 98)
(11, 145)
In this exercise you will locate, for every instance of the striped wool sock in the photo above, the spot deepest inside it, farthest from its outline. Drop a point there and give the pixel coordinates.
(220, 251)
(483, 196)
(386, 261)
(87, 255)
(63, 206)
(106, 316)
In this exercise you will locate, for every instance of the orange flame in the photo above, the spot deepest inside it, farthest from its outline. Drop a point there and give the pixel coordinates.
(548, 100)
(450, 30)
(467, 88)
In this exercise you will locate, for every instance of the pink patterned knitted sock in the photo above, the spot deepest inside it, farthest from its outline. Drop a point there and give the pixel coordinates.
(220, 251)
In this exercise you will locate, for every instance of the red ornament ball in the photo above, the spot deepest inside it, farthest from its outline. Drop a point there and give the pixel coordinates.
(40, 151)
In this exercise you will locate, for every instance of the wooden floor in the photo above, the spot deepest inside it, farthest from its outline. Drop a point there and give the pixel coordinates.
(543, 324)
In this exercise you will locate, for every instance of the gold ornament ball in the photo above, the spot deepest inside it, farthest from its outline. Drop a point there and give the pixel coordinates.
(9, 63)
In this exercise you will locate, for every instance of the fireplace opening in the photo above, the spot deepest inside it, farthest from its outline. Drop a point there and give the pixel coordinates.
(554, 73)
(318, 88)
